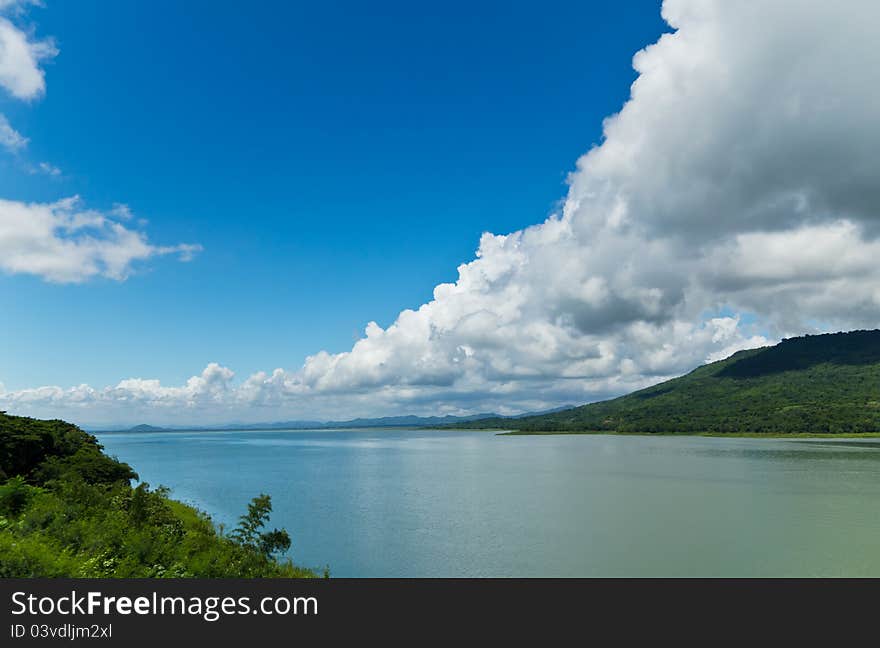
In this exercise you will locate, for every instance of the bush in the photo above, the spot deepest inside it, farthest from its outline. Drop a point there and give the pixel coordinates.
(70, 510)
(14, 496)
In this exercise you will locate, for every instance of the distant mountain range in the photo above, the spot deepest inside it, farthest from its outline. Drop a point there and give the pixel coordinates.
(382, 422)
(816, 384)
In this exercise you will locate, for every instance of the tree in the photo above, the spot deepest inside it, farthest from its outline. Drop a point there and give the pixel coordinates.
(248, 532)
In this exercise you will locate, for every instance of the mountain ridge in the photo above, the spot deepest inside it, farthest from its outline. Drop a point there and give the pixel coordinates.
(814, 384)
(406, 420)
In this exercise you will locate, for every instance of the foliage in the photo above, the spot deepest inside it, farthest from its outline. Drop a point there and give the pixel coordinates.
(67, 509)
(820, 384)
(248, 533)
(29, 445)
(15, 495)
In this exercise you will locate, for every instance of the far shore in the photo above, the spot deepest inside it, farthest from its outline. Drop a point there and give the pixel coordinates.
(736, 435)
(509, 432)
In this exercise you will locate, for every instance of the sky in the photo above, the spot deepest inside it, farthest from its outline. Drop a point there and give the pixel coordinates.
(217, 211)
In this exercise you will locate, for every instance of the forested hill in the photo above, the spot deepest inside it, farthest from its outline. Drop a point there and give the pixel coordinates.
(816, 384)
(67, 509)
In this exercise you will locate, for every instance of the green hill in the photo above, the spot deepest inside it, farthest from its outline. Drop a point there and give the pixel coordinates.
(817, 384)
(67, 509)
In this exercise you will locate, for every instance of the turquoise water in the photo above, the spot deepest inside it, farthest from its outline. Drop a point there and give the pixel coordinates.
(466, 503)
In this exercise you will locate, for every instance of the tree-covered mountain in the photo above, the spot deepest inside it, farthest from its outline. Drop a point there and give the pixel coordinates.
(67, 509)
(817, 384)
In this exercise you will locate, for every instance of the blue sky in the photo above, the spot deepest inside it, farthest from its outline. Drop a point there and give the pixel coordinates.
(335, 160)
(337, 210)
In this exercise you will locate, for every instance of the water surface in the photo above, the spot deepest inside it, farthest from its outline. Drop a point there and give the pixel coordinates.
(470, 503)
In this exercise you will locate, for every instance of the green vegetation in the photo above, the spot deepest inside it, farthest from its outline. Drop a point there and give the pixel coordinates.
(67, 509)
(812, 385)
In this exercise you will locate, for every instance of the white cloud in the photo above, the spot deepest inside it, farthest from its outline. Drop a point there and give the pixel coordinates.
(122, 212)
(65, 243)
(48, 169)
(11, 139)
(58, 241)
(20, 59)
(17, 6)
(20, 71)
(740, 177)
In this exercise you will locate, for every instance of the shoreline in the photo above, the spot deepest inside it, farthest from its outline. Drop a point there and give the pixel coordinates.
(734, 435)
(509, 432)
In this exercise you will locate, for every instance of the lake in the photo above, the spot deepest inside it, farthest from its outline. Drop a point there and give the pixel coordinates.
(471, 503)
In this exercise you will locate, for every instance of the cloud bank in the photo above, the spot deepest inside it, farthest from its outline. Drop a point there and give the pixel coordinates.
(733, 200)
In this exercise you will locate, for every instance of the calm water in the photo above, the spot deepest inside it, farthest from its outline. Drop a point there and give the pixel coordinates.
(450, 503)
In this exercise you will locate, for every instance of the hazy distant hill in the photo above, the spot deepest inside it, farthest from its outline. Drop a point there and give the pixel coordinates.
(387, 421)
(145, 428)
(813, 384)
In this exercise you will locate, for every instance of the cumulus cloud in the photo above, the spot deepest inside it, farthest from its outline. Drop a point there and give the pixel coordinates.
(66, 243)
(20, 60)
(20, 72)
(733, 200)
